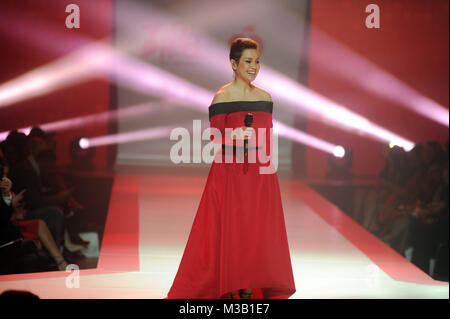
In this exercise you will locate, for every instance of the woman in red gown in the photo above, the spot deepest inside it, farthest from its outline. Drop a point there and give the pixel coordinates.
(238, 239)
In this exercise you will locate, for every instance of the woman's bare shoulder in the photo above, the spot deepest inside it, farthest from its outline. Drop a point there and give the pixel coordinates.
(225, 94)
(265, 96)
(222, 95)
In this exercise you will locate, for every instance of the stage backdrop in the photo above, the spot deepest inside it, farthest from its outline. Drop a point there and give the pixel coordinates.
(190, 41)
(412, 44)
(33, 35)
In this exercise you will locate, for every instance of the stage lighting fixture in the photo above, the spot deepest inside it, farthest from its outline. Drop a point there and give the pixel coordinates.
(84, 143)
(339, 151)
(81, 154)
(340, 166)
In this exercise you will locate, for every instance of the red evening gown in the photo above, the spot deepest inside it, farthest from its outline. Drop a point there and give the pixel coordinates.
(238, 238)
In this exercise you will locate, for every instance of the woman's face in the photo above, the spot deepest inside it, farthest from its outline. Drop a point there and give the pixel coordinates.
(248, 66)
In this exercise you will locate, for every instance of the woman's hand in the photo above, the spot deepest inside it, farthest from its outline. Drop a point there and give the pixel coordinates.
(242, 133)
(17, 200)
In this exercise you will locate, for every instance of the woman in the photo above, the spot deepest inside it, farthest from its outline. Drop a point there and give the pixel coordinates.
(12, 213)
(238, 239)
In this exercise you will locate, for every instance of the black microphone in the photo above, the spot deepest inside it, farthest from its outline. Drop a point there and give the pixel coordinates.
(248, 122)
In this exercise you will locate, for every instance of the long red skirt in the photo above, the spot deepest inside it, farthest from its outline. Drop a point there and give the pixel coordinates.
(238, 238)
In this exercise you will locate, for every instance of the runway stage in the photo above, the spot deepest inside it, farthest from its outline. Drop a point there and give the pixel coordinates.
(149, 220)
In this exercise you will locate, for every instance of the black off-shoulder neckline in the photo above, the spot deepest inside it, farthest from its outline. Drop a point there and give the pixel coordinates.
(241, 101)
(237, 106)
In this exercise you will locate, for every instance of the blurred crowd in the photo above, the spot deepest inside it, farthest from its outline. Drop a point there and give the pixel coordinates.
(39, 216)
(409, 209)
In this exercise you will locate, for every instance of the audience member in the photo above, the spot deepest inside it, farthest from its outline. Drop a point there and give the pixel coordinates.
(35, 229)
(39, 212)
(412, 204)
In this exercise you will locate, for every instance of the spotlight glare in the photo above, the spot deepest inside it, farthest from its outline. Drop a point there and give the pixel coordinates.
(339, 151)
(407, 147)
(84, 143)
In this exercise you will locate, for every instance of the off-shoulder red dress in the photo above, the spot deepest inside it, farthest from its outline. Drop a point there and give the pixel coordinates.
(238, 238)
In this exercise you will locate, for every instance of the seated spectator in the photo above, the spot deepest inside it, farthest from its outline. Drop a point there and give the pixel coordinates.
(8, 233)
(394, 216)
(414, 212)
(32, 229)
(41, 202)
(46, 137)
(13, 148)
(390, 191)
(430, 227)
(52, 183)
(26, 176)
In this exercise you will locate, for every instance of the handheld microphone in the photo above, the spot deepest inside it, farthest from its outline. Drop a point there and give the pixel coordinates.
(248, 122)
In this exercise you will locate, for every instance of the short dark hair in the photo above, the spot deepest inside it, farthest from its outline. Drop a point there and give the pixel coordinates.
(46, 155)
(239, 45)
(36, 131)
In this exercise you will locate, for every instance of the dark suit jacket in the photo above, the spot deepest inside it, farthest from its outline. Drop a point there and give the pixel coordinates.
(8, 231)
(23, 176)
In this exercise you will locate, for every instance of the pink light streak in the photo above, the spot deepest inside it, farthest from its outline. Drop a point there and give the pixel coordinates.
(373, 79)
(129, 112)
(303, 138)
(135, 136)
(306, 99)
(89, 62)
